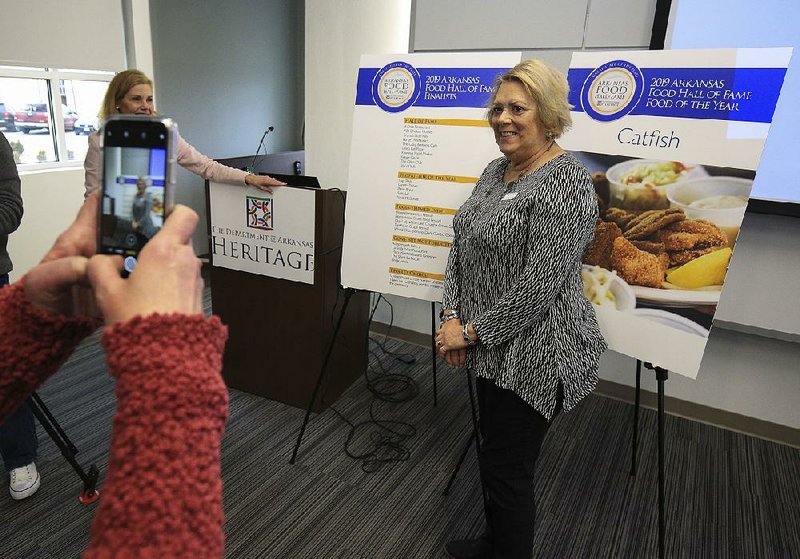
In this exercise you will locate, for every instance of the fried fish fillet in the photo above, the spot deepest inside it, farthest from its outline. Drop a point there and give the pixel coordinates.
(652, 247)
(647, 223)
(691, 234)
(638, 267)
(598, 253)
(619, 216)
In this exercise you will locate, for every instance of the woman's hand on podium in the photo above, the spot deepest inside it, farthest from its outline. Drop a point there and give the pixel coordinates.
(262, 182)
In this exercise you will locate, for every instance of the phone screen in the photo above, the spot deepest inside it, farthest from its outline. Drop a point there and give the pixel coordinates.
(134, 197)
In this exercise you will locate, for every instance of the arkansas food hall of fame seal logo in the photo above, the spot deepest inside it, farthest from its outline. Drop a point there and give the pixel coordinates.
(612, 90)
(396, 87)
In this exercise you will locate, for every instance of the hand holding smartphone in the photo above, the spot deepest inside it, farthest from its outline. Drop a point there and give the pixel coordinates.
(138, 185)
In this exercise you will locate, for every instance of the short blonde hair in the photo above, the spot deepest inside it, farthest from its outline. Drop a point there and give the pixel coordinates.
(118, 88)
(547, 87)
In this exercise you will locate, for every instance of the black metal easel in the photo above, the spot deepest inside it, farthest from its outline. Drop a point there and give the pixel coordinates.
(434, 351)
(474, 438)
(68, 450)
(661, 376)
(348, 293)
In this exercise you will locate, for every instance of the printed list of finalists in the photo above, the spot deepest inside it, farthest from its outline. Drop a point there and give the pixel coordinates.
(422, 232)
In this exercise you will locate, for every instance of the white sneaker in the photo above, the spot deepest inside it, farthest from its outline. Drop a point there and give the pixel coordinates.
(25, 481)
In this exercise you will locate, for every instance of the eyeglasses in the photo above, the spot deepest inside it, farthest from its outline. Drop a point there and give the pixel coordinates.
(514, 109)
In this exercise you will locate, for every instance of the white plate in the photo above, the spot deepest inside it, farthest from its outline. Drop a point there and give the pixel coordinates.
(673, 320)
(625, 299)
(676, 297)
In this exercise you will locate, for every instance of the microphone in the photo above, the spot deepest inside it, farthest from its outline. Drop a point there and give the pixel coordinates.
(252, 167)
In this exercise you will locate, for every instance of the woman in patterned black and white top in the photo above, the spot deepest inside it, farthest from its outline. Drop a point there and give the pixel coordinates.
(513, 307)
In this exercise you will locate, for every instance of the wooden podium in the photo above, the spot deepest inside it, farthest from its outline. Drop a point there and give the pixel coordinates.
(280, 330)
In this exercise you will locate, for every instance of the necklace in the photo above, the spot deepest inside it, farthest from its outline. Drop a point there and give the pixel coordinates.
(532, 166)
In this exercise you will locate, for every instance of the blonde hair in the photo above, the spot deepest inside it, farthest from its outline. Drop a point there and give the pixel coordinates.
(547, 87)
(118, 88)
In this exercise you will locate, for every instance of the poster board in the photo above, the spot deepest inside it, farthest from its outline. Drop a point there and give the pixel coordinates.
(673, 139)
(420, 142)
(261, 233)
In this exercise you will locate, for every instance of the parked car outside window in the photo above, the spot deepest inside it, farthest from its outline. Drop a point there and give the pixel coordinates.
(36, 116)
(85, 125)
(7, 118)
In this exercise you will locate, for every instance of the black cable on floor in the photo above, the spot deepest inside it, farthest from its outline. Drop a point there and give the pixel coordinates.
(404, 357)
(388, 436)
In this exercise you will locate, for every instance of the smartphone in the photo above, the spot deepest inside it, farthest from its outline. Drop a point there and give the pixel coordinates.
(138, 185)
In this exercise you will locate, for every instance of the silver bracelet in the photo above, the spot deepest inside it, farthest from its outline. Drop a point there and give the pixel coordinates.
(449, 315)
(465, 334)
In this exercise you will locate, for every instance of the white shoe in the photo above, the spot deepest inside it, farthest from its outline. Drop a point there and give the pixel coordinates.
(25, 481)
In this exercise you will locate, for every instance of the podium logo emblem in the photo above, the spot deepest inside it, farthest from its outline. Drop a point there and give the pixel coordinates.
(259, 213)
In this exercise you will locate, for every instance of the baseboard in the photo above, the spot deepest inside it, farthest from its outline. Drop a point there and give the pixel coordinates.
(410, 336)
(705, 414)
(674, 406)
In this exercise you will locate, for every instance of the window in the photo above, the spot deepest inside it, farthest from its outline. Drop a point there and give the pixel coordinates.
(46, 114)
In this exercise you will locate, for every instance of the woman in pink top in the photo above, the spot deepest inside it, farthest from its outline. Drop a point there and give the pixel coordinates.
(131, 92)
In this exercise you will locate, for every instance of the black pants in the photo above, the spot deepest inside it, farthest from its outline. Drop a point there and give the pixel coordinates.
(512, 433)
(18, 442)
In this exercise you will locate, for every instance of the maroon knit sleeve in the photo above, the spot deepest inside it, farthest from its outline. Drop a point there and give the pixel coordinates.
(33, 345)
(163, 491)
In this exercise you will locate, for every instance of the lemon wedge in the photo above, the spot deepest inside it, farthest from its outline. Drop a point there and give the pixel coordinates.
(703, 271)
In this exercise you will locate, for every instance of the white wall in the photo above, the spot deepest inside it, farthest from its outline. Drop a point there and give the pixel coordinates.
(225, 71)
(57, 34)
(761, 286)
(734, 23)
(51, 201)
(337, 34)
(741, 373)
(138, 44)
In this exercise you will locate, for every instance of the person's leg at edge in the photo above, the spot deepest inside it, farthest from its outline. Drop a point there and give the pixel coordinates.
(512, 435)
(18, 445)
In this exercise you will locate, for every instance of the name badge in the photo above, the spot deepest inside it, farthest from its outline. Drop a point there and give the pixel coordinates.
(510, 195)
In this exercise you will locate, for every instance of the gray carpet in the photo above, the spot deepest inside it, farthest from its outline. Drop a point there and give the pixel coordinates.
(728, 495)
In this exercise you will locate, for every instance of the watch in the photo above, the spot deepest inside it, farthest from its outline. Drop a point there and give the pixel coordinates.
(465, 333)
(449, 315)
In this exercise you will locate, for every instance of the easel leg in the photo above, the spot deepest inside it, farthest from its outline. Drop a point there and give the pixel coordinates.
(475, 437)
(348, 294)
(433, 351)
(635, 435)
(476, 432)
(458, 465)
(474, 409)
(661, 376)
(68, 449)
